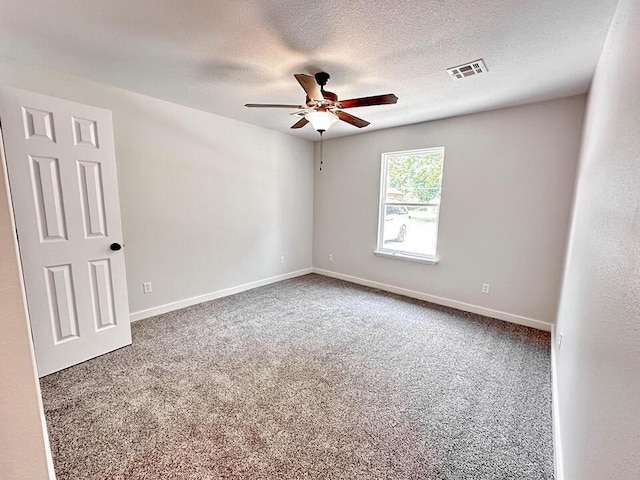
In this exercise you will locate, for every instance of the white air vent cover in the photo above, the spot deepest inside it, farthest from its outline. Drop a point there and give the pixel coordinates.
(468, 69)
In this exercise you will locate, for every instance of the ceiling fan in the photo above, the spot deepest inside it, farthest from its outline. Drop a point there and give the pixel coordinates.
(322, 108)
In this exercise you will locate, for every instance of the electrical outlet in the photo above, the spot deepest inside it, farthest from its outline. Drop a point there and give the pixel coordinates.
(281, 259)
(486, 288)
(146, 287)
(560, 341)
(331, 257)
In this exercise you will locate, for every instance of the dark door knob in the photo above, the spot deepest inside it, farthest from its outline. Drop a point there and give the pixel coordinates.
(115, 247)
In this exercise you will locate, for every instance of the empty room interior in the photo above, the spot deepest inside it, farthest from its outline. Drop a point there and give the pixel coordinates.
(341, 240)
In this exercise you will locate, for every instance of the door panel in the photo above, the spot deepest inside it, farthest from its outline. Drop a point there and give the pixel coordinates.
(102, 293)
(62, 172)
(47, 192)
(38, 123)
(62, 302)
(85, 132)
(90, 181)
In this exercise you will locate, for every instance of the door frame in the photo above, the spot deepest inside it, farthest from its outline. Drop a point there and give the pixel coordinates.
(26, 317)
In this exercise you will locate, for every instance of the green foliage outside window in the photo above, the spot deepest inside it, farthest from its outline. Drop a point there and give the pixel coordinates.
(418, 177)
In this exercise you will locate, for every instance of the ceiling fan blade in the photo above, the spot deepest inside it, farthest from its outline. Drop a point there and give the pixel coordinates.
(300, 123)
(387, 99)
(273, 105)
(310, 86)
(346, 117)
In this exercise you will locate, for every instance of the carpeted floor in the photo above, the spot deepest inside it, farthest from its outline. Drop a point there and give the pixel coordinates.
(311, 378)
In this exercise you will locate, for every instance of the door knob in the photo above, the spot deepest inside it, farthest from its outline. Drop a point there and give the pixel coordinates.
(115, 247)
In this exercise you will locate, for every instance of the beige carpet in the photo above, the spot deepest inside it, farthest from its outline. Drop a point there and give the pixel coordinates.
(311, 378)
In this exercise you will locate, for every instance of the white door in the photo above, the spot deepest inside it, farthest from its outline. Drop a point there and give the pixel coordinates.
(60, 158)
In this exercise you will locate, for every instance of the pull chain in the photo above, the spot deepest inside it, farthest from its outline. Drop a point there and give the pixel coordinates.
(321, 150)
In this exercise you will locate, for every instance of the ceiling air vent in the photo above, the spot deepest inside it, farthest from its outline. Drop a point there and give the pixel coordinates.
(468, 69)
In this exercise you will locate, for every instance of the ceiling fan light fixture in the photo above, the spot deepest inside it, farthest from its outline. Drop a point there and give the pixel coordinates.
(321, 121)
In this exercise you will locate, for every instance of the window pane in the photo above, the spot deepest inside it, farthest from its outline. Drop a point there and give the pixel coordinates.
(414, 231)
(412, 178)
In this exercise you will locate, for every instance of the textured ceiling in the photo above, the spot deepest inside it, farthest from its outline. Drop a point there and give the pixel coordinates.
(218, 55)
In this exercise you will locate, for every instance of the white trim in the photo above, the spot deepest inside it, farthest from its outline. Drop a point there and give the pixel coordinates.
(557, 438)
(382, 201)
(188, 302)
(447, 302)
(415, 151)
(407, 257)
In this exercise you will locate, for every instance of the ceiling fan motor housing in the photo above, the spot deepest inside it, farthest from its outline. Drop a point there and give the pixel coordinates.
(322, 78)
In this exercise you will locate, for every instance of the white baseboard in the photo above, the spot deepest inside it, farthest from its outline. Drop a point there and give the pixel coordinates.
(557, 438)
(447, 302)
(169, 307)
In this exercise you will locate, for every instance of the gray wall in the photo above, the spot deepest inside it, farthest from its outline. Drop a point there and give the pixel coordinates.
(598, 363)
(507, 190)
(208, 203)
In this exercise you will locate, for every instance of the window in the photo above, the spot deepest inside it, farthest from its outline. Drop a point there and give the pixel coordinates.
(410, 190)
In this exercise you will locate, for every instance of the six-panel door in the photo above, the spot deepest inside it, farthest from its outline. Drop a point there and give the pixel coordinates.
(61, 165)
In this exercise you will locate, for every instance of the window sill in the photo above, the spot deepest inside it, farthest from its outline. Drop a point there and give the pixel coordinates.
(406, 257)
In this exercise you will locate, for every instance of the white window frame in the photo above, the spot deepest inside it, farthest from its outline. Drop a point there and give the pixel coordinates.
(398, 254)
